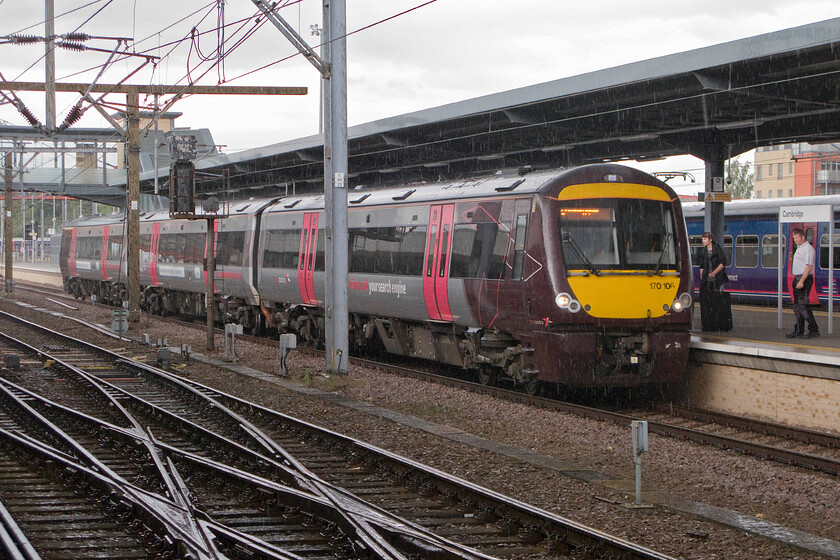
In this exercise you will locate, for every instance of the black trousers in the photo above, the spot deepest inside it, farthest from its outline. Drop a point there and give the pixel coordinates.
(801, 309)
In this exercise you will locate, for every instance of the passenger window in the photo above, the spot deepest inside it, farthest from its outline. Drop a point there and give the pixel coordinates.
(695, 243)
(727, 248)
(770, 250)
(746, 251)
(519, 246)
(824, 251)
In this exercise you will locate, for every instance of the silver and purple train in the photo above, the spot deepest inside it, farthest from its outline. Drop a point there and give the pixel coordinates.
(579, 278)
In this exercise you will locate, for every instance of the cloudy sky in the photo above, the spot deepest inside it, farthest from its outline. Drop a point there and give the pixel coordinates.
(433, 53)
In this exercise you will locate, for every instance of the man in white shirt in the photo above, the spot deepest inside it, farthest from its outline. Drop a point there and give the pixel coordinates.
(802, 269)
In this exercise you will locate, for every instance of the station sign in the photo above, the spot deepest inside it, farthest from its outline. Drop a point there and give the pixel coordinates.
(805, 213)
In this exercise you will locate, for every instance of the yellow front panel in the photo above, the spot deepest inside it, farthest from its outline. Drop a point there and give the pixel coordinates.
(612, 190)
(625, 297)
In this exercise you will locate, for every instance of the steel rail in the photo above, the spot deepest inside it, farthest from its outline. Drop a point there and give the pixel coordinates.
(564, 533)
(785, 456)
(345, 505)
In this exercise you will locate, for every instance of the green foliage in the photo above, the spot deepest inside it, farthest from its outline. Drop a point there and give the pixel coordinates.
(53, 213)
(739, 178)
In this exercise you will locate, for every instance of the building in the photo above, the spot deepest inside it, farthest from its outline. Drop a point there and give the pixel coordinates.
(789, 170)
(817, 169)
(775, 172)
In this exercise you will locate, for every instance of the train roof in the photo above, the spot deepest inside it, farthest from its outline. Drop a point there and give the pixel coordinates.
(500, 184)
(761, 206)
(95, 220)
(494, 185)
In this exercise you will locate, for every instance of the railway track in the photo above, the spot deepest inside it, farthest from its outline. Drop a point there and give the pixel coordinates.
(784, 444)
(258, 481)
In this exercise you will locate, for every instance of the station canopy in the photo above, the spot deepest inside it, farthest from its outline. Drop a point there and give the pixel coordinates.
(780, 87)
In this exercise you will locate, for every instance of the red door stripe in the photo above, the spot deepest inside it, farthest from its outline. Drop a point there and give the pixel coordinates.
(429, 264)
(302, 254)
(310, 267)
(442, 268)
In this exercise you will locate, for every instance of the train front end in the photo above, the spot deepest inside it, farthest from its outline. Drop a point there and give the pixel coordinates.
(619, 304)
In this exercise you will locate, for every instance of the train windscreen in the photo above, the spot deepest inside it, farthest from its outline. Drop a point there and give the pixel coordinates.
(618, 234)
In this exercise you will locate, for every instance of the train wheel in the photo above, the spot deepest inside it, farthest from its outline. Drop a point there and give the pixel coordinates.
(533, 387)
(486, 375)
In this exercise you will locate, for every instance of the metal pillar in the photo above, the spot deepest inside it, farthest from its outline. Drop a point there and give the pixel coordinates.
(7, 226)
(41, 232)
(333, 69)
(713, 217)
(210, 303)
(133, 203)
(23, 218)
(335, 191)
(49, 61)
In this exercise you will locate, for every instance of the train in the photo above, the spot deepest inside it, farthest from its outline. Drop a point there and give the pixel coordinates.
(751, 243)
(580, 278)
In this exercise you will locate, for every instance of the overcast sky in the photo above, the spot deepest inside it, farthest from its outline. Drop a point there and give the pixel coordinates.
(441, 52)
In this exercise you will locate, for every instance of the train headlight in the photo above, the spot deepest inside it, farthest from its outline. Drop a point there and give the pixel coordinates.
(563, 300)
(683, 302)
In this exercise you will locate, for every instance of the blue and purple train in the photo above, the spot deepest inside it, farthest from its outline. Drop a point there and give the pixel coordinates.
(751, 231)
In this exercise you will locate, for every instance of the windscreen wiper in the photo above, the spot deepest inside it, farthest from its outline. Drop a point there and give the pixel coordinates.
(661, 255)
(567, 238)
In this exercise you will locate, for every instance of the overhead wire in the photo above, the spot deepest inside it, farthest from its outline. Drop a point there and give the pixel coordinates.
(68, 12)
(221, 52)
(364, 28)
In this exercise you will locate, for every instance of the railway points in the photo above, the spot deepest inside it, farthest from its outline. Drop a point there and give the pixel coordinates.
(198, 429)
(694, 508)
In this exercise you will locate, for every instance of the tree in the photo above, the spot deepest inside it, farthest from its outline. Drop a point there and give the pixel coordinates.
(739, 179)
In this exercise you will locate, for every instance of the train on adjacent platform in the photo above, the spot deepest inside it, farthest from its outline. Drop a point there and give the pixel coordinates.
(579, 277)
(751, 243)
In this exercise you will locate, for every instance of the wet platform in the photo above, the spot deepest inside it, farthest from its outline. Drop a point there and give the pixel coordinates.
(761, 344)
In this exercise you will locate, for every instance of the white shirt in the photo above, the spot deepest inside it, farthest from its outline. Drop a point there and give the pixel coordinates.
(803, 256)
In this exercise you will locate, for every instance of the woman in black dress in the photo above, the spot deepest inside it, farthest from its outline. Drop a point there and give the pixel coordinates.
(715, 310)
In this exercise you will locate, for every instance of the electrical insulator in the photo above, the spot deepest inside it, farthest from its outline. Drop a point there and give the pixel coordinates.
(73, 115)
(71, 46)
(27, 114)
(76, 37)
(25, 39)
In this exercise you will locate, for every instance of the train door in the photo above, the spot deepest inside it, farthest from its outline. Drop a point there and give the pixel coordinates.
(153, 254)
(72, 255)
(436, 262)
(522, 266)
(306, 258)
(103, 254)
(810, 230)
